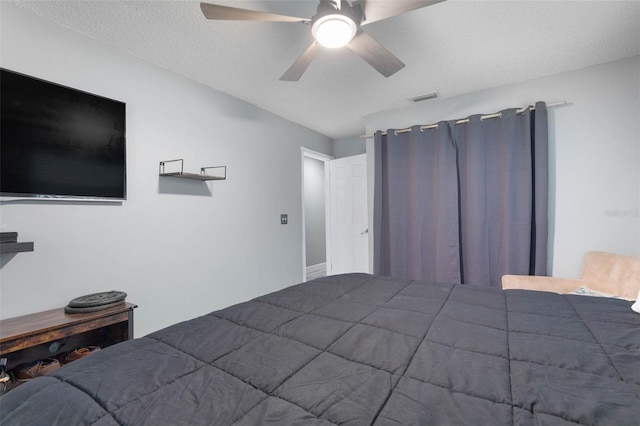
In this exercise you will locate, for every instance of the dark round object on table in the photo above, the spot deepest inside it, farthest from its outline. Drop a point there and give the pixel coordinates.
(98, 299)
(70, 310)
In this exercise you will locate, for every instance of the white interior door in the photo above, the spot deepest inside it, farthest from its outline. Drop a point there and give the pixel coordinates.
(349, 218)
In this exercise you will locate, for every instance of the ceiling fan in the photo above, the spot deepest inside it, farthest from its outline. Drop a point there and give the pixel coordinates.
(335, 24)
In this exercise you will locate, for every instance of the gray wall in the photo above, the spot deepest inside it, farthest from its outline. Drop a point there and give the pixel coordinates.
(314, 211)
(178, 248)
(348, 146)
(594, 153)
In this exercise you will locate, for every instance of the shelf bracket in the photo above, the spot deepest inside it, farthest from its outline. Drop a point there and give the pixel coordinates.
(162, 164)
(224, 169)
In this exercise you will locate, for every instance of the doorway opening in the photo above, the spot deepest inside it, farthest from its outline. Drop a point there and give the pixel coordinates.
(316, 247)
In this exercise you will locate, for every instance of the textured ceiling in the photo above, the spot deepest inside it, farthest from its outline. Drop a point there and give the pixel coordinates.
(452, 47)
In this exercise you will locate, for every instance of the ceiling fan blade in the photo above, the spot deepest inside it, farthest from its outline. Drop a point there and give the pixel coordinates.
(375, 54)
(301, 64)
(226, 13)
(377, 10)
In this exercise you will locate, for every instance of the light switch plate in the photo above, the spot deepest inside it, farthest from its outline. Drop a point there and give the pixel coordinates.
(284, 219)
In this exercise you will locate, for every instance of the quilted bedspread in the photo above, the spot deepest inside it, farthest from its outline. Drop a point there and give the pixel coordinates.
(358, 349)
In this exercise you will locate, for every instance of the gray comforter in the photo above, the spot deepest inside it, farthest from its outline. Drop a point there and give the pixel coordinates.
(357, 349)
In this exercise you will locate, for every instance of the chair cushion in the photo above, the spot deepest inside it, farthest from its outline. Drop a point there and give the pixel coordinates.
(612, 273)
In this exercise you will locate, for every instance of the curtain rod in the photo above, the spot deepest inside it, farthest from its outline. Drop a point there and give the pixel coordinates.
(466, 120)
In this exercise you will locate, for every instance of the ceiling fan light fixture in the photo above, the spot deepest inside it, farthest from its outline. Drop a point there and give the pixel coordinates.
(334, 30)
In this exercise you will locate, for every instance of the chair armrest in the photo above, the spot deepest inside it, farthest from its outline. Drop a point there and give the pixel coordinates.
(528, 282)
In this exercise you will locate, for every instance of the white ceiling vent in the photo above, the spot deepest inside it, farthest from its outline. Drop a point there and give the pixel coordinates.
(425, 97)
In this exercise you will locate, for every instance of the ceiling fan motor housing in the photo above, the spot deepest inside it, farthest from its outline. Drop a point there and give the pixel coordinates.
(333, 27)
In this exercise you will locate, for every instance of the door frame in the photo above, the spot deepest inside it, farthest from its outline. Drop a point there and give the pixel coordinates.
(306, 152)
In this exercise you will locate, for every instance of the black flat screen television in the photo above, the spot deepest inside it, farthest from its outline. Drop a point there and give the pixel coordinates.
(60, 143)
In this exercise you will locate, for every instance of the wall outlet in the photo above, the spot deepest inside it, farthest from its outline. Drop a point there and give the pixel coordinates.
(284, 219)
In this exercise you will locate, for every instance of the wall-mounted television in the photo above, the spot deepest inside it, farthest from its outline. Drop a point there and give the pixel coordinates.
(59, 143)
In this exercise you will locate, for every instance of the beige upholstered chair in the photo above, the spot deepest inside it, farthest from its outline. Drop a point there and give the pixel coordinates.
(610, 273)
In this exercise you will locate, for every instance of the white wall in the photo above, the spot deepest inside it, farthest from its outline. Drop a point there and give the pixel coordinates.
(178, 248)
(594, 153)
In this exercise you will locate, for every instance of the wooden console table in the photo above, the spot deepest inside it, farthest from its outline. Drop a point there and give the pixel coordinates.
(46, 334)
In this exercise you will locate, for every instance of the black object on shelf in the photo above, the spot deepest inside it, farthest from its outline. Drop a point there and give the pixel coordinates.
(9, 243)
(194, 176)
(95, 302)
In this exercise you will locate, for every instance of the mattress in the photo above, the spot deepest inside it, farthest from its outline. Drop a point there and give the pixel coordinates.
(359, 349)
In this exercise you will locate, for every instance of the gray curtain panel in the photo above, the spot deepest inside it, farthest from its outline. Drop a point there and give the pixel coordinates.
(419, 205)
(463, 203)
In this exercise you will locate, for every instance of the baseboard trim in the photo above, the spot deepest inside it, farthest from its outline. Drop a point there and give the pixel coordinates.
(316, 271)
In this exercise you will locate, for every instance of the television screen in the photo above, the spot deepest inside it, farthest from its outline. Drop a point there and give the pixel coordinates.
(59, 142)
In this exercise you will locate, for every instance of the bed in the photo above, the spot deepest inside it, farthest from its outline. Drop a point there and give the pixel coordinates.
(359, 349)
